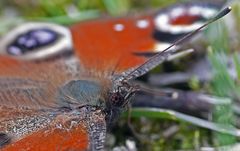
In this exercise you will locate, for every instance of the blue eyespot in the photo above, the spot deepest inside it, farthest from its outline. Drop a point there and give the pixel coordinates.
(32, 40)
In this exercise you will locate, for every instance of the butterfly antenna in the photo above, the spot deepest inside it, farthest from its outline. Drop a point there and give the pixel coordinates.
(163, 55)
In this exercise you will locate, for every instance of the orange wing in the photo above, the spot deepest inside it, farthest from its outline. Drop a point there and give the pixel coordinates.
(53, 131)
(53, 139)
(104, 43)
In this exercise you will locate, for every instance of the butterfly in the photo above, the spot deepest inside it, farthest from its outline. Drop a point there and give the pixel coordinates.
(60, 87)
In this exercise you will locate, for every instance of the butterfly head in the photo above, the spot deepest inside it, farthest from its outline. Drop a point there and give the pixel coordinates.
(119, 97)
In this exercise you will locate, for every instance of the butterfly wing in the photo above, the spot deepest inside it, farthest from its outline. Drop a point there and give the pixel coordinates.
(32, 84)
(30, 114)
(28, 89)
(36, 130)
(53, 139)
(33, 101)
(127, 42)
(113, 41)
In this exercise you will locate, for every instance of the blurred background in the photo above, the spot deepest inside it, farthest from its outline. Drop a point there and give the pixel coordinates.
(207, 113)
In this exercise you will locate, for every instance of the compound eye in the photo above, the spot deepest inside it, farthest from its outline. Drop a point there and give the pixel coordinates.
(175, 22)
(32, 41)
(117, 100)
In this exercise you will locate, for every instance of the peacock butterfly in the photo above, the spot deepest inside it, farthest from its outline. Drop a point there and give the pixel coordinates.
(60, 87)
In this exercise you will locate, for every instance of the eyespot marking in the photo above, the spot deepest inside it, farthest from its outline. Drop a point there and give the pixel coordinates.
(36, 41)
(175, 22)
(189, 18)
(31, 40)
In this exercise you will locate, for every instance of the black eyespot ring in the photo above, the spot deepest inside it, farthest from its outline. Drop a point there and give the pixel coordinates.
(174, 22)
(34, 40)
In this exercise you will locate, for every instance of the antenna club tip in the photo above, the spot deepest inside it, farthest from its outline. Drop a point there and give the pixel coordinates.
(229, 9)
(223, 12)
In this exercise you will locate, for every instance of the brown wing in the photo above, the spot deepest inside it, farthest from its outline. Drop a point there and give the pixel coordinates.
(33, 84)
(30, 116)
(26, 89)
